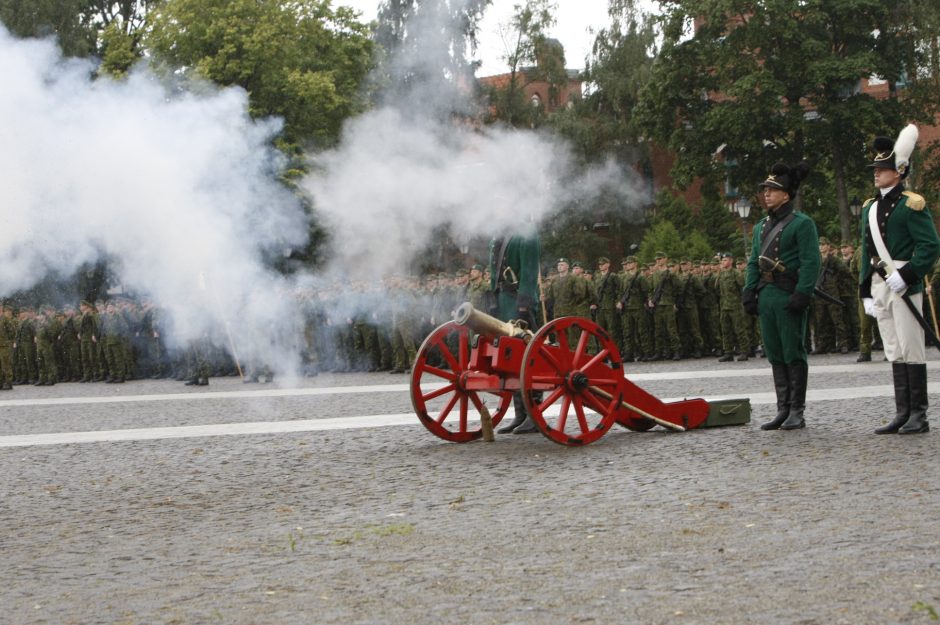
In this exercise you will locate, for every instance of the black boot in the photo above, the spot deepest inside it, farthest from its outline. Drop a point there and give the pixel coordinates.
(527, 427)
(917, 383)
(782, 387)
(902, 399)
(726, 358)
(798, 372)
(520, 417)
(863, 357)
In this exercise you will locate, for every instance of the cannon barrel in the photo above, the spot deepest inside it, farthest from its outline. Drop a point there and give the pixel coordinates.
(490, 327)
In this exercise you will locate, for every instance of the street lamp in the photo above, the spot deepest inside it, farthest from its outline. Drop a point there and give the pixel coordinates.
(743, 208)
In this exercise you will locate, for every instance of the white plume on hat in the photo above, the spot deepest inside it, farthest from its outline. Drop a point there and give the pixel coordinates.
(903, 147)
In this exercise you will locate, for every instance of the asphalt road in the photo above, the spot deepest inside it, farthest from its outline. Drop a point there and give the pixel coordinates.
(327, 502)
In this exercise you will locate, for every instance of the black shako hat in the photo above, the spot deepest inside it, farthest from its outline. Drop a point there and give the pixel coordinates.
(786, 177)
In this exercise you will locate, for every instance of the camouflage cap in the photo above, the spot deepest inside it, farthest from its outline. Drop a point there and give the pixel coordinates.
(824, 241)
(628, 259)
(685, 261)
(672, 263)
(660, 255)
(563, 260)
(577, 263)
(846, 244)
(477, 266)
(602, 259)
(461, 272)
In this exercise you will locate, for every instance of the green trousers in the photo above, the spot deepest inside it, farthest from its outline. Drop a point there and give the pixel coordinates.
(784, 332)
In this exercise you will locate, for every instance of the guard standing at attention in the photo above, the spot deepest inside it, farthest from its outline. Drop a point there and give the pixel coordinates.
(778, 288)
(899, 247)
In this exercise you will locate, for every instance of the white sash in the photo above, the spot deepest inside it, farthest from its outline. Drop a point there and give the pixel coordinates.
(876, 238)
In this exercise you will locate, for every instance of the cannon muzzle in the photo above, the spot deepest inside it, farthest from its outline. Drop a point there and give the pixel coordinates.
(490, 327)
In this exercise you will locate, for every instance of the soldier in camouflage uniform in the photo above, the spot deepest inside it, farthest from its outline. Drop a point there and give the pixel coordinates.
(606, 293)
(88, 334)
(48, 329)
(848, 293)
(113, 332)
(69, 347)
(637, 342)
(663, 292)
(7, 338)
(568, 296)
(708, 310)
(477, 288)
(829, 323)
(25, 364)
(691, 290)
(730, 283)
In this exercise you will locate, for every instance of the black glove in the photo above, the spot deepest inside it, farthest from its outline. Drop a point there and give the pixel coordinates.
(798, 302)
(749, 299)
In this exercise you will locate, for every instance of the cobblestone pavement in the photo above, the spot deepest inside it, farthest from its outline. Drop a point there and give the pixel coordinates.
(825, 525)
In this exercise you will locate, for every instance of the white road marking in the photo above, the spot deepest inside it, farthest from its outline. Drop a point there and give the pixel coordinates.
(345, 423)
(399, 388)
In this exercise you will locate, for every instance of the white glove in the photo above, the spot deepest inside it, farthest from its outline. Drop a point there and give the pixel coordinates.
(869, 305)
(895, 282)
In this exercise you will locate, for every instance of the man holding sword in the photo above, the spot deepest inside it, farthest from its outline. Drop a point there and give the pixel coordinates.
(899, 247)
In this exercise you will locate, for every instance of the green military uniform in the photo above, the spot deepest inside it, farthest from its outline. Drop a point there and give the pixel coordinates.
(831, 333)
(663, 292)
(7, 338)
(691, 290)
(515, 270)
(848, 293)
(88, 336)
(898, 232)
(113, 331)
(48, 329)
(781, 276)
(514, 277)
(25, 364)
(733, 322)
(634, 319)
(606, 294)
(708, 312)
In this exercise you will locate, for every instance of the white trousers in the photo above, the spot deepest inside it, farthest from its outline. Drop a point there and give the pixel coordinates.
(902, 336)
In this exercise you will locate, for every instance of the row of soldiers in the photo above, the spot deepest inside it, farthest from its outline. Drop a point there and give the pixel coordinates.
(677, 309)
(665, 310)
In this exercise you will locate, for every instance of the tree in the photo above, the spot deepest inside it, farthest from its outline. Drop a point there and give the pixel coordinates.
(122, 25)
(530, 55)
(300, 60)
(767, 80)
(424, 49)
(42, 18)
(619, 67)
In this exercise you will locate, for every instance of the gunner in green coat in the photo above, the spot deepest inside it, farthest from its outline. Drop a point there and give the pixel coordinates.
(780, 280)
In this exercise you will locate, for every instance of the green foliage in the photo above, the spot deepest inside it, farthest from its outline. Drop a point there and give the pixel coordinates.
(662, 237)
(42, 18)
(301, 60)
(530, 56)
(118, 51)
(791, 71)
(619, 67)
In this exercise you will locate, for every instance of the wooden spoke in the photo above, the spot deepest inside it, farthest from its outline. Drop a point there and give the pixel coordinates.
(441, 391)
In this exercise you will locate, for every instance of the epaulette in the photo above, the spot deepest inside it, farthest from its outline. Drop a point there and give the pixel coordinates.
(914, 201)
(869, 202)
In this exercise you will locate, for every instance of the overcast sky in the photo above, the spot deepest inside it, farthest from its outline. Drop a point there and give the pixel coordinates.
(574, 18)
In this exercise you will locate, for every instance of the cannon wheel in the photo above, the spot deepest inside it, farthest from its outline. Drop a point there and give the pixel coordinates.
(565, 373)
(445, 409)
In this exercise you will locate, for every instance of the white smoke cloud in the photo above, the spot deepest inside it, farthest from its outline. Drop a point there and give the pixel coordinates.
(177, 190)
(407, 168)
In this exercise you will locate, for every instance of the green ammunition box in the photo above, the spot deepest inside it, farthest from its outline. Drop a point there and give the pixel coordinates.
(728, 412)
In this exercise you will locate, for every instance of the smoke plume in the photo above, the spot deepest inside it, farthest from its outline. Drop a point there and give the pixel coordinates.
(176, 190)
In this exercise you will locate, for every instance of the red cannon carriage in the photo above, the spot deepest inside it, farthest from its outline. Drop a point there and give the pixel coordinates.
(569, 372)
